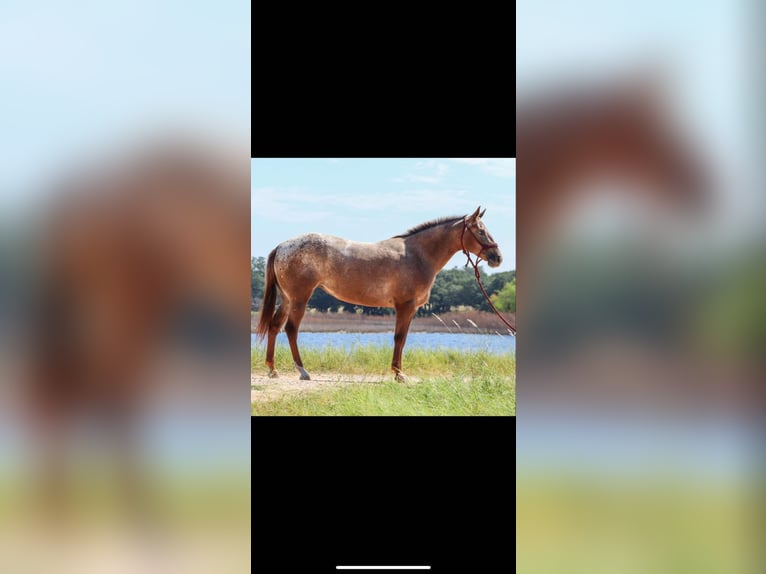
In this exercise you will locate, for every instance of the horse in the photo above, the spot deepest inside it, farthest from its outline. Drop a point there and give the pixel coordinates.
(131, 253)
(397, 273)
(569, 140)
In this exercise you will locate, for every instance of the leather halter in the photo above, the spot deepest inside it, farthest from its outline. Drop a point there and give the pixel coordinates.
(484, 246)
(474, 264)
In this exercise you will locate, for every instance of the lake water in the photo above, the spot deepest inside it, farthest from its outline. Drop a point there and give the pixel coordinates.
(453, 341)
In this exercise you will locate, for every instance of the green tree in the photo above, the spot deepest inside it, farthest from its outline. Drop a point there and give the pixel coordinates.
(452, 288)
(257, 277)
(505, 299)
(323, 302)
(457, 287)
(494, 284)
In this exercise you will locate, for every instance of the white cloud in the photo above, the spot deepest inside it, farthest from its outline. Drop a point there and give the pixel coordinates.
(280, 204)
(411, 178)
(499, 167)
(299, 204)
(430, 172)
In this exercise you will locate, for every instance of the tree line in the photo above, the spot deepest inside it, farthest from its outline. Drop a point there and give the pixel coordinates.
(452, 288)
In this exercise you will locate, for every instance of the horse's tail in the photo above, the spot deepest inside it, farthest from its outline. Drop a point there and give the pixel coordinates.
(269, 298)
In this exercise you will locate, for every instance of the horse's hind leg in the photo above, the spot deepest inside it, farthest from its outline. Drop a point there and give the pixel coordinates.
(291, 329)
(276, 324)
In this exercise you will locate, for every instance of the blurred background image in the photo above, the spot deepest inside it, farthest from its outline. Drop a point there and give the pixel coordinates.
(124, 430)
(641, 276)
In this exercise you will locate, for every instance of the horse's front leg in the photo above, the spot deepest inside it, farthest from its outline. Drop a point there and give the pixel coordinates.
(404, 314)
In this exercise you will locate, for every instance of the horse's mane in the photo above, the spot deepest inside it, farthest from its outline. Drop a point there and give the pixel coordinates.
(429, 224)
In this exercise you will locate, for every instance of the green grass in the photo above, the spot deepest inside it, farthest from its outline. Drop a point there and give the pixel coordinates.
(448, 383)
(650, 523)
(371, 359)
(95, 496)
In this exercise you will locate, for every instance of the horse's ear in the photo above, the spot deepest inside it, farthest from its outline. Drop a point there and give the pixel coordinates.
(646, 88)
(483, 211)
(475, 213)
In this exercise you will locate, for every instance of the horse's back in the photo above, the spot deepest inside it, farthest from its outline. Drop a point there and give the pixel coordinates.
(351, 271)
(322, 249)
(305, 249)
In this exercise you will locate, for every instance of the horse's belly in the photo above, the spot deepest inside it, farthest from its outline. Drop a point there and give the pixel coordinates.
(370, 295)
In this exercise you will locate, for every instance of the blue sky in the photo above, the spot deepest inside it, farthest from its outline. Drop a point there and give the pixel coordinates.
(706, 51)
(79, 76)
(373, 199)
(703, 47)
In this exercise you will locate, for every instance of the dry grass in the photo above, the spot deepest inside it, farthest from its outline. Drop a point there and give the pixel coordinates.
(350, 322)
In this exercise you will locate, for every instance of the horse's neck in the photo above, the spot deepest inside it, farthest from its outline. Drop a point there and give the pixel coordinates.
(548, 182)
(438, 244)
(539, 198)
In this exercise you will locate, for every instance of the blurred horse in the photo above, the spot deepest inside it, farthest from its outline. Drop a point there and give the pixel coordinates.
(569, 143)
(128, 253)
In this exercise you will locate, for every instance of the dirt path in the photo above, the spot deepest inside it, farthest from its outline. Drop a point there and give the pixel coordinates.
(264, 389)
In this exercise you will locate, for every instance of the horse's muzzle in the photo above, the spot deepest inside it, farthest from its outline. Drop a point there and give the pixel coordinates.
(494, 259)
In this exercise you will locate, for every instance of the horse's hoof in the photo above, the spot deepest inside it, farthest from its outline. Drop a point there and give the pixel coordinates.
(273, 375)
(400, 378)
(304, 373)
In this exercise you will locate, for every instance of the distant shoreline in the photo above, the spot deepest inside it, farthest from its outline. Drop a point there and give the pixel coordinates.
(486, 323)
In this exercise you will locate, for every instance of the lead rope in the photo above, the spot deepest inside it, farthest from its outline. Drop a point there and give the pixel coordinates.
(478, 277)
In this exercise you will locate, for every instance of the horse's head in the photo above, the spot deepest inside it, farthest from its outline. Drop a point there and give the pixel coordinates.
(576, 138)
(636, 136)
(477, 239)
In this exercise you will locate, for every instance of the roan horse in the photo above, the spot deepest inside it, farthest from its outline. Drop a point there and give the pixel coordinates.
(571, 140)
(131, 252)
(397, 272)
